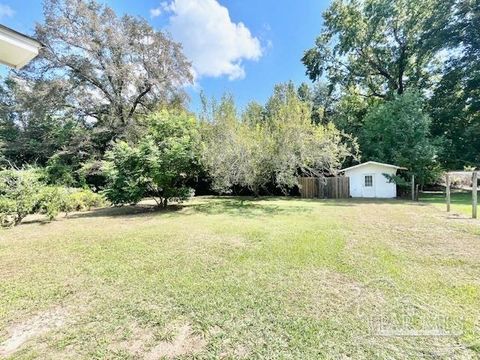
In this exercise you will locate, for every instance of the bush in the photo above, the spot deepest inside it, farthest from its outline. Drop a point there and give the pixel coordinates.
(22, 193)
(19, 195)
(52, 200)
(58, 172)
(158, 166)
(84, 200)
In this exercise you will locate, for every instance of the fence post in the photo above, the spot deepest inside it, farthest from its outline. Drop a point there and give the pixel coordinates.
(474, 194)
(448, 192)
(413, 187)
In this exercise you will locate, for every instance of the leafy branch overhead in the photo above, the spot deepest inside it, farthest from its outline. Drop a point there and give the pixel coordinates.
(382, 47)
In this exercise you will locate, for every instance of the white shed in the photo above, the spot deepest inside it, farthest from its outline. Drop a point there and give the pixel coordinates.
(368, 180)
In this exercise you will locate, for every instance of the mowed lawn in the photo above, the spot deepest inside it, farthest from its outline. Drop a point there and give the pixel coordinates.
(243, 278)
(460, 201)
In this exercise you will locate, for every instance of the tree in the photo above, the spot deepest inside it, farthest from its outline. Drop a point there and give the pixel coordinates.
(158, 166)
(381, 46)
(321, 99)
(254, 114)
(455, 104)
(398, 132)
(302, 148)
(30, 129)
(234, 152)
(108, 69)
(276, 150)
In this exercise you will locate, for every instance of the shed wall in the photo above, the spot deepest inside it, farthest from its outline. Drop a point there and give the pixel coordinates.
(381, 187)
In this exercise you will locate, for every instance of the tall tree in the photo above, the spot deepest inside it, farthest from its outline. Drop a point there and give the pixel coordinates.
(382, 46)
(278, 145)
(398, 132)
(111, 68)
(455, 104)
(33, 129)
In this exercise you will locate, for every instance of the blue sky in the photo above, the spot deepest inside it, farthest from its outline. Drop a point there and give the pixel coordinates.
(245, 61)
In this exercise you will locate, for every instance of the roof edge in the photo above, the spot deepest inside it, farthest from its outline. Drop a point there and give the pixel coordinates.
(374, 163)
(20, 36)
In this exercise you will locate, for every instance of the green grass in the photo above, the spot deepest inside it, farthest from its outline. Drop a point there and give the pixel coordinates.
(460, 201)
(238, 277)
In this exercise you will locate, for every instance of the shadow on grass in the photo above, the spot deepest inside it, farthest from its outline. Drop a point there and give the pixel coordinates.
(235, 206)
(245, 206)
(229, 205)
(126, 211)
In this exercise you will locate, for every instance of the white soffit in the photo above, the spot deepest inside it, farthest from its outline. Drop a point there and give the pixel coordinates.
(16, 49)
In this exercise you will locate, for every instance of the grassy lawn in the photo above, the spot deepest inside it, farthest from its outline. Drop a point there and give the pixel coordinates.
(243, 278)
(460, 201)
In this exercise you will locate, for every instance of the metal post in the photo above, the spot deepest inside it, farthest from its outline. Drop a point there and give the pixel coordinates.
(413, 187)
(448, 192)
(474, 194)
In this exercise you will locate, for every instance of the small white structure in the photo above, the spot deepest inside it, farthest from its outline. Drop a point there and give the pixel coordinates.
(367, 180)
(17, 49)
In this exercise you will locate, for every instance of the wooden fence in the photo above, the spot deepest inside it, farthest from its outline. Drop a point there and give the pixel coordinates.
(330, 188)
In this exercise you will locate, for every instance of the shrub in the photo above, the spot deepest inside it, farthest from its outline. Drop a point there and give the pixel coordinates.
(7, 211)
(83, 200)
(158, 166)
(22, 193)
(19, 195)
(52, 201)
(58, 172)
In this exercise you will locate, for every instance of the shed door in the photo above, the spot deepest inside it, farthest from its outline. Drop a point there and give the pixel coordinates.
(369, 185)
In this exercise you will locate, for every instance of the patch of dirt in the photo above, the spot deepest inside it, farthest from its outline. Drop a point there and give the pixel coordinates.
(137, 342)
(184, 343)
(141, 343)
(36, 326)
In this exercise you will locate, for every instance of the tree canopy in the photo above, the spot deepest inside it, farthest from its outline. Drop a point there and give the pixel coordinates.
(270, 145)
(105, 68)
(382, 47)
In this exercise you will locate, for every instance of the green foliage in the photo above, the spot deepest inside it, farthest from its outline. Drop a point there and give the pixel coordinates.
(52, 200)
(83, 199)
(369, 51)
(22, 193)
(19, 194)
(60, 173)
(31, 129)
(91, 173)
(381, 46)
(397, 132)
(55, 199)
(270, 145)
(158, 166)
(455, 104)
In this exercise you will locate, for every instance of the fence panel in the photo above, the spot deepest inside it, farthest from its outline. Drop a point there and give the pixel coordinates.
(330, 188)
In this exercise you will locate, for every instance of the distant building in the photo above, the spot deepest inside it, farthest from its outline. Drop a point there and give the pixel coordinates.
(17, 49)
(367, 180)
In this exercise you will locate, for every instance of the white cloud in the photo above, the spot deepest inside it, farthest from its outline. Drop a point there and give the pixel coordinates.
(6, 11)
(215, 45)
(155, 12)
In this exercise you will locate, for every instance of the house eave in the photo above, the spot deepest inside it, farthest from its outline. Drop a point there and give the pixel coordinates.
(17, 49)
